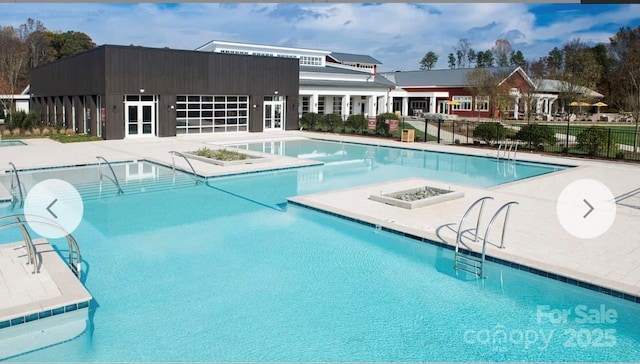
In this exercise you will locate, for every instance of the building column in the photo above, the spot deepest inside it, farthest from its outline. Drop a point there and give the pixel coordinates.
(389, 104)
(328, 104)
(405, 106)
(432, 105)
(370, 108)
(515, 109)
(313, 103)
(346, 100)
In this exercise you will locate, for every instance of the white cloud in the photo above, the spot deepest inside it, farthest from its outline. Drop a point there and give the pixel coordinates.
(397, 34)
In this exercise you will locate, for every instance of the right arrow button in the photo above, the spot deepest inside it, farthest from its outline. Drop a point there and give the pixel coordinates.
(590, 209)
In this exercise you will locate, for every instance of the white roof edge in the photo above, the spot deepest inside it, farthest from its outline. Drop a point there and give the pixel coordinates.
(15, 97)
(262, 46)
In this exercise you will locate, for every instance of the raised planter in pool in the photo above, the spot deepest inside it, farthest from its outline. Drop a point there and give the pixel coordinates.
(224, 157)
(417, 197)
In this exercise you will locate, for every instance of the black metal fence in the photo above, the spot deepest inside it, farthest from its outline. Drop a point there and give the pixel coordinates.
(620, 141)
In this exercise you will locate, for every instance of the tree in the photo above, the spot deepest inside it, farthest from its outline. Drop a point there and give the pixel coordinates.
(462, 50)
(625, 50)
(529, 99)
(501, 51)
(68, 43)
(517, 59)
(31, 33)
(491, 83)
(578, 71)
(471, 57)
(554, 62)
(428, 61)
(13, 57)
(484, 59)
(536, 68)
(451, 61)
(480, 82)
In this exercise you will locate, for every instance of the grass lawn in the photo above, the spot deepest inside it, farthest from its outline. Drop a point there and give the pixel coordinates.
(419, 134)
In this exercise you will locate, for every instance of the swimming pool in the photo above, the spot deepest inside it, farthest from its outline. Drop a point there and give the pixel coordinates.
(11, 143)
(226, 271)
(371, 163)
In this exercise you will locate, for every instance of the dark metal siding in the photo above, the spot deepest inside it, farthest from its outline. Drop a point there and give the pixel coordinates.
(115, 71)
(82, 74)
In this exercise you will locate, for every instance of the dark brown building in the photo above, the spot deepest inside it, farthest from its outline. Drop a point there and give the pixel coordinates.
(129, 91)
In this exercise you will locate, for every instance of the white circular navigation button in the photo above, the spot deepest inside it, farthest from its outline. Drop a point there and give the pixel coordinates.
(586, 208)
(53, 202)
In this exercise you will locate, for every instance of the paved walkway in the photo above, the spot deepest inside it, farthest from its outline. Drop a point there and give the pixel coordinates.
(535, 236)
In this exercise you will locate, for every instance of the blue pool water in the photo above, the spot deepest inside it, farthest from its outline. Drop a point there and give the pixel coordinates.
(369, 163)
(226, 271)
(11, 143)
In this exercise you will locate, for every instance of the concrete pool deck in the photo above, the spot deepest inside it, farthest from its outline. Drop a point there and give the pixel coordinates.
(535, 237)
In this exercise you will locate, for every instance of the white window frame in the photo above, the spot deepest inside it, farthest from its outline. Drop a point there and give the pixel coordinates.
(465, 103)
(483, 102)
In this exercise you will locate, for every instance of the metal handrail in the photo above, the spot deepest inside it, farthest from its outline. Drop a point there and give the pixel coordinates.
(193, 170)
(480, 201)
(14, 172)
(507, 152)
(32, 256)
(504, 226)
(114, 179)
(74, 264)
(506, 206)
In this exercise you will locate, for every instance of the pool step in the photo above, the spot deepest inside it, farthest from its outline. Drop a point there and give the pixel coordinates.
(94, 191)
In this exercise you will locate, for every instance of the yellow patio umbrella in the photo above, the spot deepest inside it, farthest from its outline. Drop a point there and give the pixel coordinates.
(598, 105)
(579, 103)
(452, 102)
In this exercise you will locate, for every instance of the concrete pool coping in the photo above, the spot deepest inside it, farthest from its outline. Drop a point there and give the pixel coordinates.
(25, 294)
(534, 237)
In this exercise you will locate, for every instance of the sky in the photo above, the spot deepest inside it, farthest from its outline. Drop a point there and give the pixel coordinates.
(396, 34)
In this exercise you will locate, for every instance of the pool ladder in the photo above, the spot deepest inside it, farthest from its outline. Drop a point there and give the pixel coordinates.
(506, 153)
(113, 176)
(193, 170)
(467, 260)
(16, 185)
(20, 221)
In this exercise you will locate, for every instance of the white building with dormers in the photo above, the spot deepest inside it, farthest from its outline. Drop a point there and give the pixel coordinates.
(330, 82)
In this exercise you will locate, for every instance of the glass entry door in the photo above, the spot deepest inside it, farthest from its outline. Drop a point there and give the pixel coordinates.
(443, 107)
(273, 115)
(140, 118)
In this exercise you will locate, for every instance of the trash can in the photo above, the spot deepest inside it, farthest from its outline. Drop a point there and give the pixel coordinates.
(408, 135)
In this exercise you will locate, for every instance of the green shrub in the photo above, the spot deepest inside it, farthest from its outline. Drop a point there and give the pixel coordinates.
(620, 155)
(382, 128)
(357, 122)
(489, 132)
(16, 119)
(536, 134)
(331, 122)
(33, 120)
(594, 139)
(310, 121)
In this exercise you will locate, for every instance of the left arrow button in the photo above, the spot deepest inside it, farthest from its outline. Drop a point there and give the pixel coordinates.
(49, 209)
